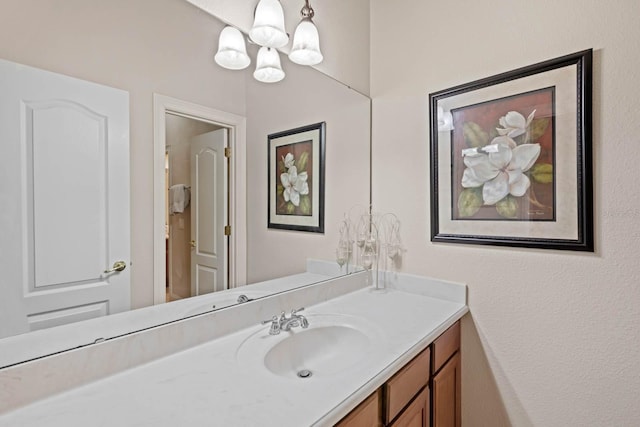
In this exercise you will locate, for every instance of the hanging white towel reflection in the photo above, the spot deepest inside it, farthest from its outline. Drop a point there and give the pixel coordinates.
(179, 198)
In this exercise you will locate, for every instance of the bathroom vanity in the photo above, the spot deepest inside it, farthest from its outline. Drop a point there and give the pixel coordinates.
(414, 396)
(390, 357)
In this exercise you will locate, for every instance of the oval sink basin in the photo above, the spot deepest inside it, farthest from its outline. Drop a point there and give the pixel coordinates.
(330, 345)
(323, 350)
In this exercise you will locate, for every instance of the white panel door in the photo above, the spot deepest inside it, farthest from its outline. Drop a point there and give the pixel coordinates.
(64, 186)
(208, 212)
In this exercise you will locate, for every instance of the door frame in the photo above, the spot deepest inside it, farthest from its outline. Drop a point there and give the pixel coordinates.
(236, 125)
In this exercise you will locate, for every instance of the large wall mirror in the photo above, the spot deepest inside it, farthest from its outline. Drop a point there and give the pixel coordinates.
(163, 51)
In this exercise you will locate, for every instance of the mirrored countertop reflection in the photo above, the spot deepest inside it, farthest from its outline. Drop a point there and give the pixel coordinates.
(25, 347)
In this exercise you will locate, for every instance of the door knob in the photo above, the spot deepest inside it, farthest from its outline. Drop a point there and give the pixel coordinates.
(193, 243)
(117, 266)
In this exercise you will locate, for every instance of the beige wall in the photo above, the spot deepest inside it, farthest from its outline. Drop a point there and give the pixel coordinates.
(304, 97)
(553, 336)
(142, 46)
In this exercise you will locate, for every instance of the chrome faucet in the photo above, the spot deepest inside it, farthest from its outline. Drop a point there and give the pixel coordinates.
(294, 321)
(284, 323)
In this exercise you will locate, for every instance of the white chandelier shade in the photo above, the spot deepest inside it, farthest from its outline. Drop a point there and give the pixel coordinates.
(269, 33)
(268, 68)
(268, 25)
(232, 51)
(306, 44)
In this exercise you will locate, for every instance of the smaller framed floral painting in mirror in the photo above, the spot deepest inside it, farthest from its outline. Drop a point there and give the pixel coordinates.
(296, 179)
(511, 158)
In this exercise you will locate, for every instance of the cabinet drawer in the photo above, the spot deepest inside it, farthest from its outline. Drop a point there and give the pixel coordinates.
(401, 388)
(445, 345)
(366, 414)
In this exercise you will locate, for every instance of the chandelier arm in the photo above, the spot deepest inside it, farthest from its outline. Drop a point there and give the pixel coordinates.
(307, 11)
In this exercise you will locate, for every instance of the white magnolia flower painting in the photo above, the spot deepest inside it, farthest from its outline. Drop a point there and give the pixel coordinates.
(503, 157)
(294, 175)
(294, 185)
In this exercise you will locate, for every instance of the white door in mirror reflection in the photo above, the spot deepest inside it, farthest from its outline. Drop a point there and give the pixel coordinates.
(64, 187)
(208, 212)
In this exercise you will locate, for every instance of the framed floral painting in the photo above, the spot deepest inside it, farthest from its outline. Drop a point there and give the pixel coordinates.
(511, 158)
(296, 179)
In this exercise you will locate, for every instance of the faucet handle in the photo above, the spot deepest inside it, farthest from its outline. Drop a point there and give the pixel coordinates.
(275, 325)
(273, 319)
(297, 311)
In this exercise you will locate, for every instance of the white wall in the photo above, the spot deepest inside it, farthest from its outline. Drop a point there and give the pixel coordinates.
(553, 336)
(304, 97)
(142, 46)
(343, 27)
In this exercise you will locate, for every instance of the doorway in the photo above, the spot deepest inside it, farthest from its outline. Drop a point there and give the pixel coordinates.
(196, 208)
(178, 126)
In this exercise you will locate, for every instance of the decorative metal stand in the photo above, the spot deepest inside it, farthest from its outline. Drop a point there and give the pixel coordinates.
(378, 246)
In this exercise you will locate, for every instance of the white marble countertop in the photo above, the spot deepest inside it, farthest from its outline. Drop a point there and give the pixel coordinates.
(208, 385)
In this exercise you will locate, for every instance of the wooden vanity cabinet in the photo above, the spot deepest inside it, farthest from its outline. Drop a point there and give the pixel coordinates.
(403, 401)
(406, 384)
(446, 410)
(423, 393)
(417, 412)
(366, 414)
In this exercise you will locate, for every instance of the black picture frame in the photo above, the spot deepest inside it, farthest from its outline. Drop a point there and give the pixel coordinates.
(296, 179)
(544, 111)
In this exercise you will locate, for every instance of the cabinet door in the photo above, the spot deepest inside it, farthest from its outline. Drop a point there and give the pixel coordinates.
(367, 414)
(446, 394)
(417, 413)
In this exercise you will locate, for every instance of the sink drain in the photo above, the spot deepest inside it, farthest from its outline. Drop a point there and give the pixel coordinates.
(305, 373)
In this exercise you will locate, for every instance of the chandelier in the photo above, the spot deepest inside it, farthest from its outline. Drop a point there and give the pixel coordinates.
(269, 33)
